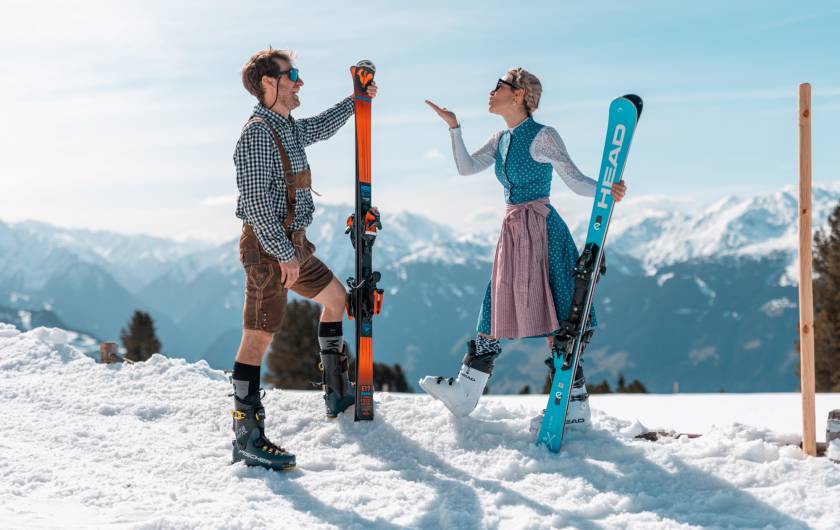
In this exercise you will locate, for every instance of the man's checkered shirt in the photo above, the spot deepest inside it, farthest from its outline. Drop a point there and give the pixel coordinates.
(259, 172)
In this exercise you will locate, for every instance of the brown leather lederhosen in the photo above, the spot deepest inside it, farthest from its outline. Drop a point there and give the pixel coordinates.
(265, 296)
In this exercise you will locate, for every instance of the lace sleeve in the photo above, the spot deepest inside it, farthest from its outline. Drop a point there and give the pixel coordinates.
(467, 163)
(548, 147)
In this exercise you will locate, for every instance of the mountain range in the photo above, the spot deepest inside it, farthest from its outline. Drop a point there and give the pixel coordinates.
(704, 297)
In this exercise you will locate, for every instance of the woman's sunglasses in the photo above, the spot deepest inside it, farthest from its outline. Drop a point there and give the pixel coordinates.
(501, 82)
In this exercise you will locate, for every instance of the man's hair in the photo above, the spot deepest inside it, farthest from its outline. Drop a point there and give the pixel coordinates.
(264, 62)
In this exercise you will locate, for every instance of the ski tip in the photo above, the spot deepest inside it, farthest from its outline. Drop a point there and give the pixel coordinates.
(636, 101)
(362, 74)
(366, 63)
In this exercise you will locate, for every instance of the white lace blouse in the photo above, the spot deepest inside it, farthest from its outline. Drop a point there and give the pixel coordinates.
(547, 148)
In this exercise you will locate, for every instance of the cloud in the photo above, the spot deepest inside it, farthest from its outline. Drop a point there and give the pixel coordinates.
(219, 200)
(697, 356)
(600, 360)
(433, 154)
(752, 345)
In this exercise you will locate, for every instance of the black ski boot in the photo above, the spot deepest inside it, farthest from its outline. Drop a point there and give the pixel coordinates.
(251, 446)
(339, 393)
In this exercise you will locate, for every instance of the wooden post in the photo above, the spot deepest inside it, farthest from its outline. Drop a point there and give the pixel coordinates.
(108, 352)
(806, 299)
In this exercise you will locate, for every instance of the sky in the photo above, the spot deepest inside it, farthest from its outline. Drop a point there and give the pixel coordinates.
(124, 116)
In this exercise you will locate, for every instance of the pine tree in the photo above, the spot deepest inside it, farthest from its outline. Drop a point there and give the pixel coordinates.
(525, 390)
(293, 358)
(620, 386)
(635, 386)
(388, 378)
(139, 338)
(601, 388)
(826, 285)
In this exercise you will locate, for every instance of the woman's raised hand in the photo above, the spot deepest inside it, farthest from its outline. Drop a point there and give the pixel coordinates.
(447, 115)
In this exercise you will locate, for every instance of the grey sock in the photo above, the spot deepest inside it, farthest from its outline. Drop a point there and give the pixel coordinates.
(240, 388)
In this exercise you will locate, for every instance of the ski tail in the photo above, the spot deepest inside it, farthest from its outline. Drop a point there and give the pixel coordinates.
(364, 379)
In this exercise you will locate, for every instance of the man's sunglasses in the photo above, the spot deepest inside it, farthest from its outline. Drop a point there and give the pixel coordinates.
(293, 73)
(501, 82)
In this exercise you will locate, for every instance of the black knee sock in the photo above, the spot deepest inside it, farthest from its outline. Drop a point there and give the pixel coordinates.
(249, 373)
(330, 336)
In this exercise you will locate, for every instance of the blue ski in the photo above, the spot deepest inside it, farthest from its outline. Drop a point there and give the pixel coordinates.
(575, 334)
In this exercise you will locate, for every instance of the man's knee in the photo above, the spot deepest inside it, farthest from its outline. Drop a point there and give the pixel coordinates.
(334, 296)
(340, 298)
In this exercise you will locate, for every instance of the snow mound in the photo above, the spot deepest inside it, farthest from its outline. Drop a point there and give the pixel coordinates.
(147, 445)
(833, 450)
(8, 330)
(634, 429)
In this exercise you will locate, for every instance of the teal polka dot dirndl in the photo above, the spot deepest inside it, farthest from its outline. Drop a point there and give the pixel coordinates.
(524, 179)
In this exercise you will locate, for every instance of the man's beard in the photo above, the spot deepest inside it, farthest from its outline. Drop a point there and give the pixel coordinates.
(290, 101)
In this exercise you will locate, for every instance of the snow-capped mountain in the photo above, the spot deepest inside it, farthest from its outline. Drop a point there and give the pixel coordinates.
(133, 260)
(720, 273)
(754, 227)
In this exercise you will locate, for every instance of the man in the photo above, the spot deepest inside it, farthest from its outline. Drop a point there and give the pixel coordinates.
(275, 205)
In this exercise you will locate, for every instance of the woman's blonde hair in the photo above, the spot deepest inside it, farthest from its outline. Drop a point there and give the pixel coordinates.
(533, 88)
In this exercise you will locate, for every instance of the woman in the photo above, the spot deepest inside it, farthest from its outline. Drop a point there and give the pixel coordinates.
(531, 286)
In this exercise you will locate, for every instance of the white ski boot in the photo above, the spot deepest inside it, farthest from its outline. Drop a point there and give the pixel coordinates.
(460, 395)
(578, 416)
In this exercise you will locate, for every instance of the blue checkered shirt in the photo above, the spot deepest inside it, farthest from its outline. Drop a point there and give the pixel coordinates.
(259, 172)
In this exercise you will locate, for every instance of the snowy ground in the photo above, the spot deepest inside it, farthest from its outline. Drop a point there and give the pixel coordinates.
(148, 446)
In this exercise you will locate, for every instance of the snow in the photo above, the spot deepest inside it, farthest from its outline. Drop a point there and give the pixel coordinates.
(834, 449)
(148, 446)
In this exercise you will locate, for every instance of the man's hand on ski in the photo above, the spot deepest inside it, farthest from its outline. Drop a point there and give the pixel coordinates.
(371, 90)
(618, 191)
(447, 115)
(289, 272)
